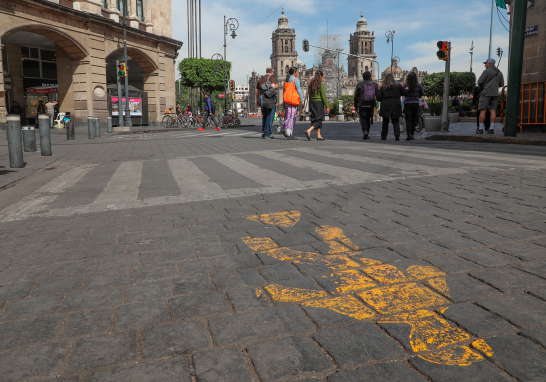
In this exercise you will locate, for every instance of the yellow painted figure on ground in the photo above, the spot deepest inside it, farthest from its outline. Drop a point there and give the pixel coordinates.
(399, 300)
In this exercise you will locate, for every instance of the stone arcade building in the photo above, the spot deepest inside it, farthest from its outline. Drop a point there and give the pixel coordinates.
(67, 49)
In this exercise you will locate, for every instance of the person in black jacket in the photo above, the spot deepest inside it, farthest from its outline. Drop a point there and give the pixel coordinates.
(391, 105)
(16, 109)
(365, 107)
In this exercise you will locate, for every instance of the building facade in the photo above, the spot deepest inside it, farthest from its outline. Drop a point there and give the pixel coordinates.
(400, 75)
(534, 53)
(67, 50)
(340, 81)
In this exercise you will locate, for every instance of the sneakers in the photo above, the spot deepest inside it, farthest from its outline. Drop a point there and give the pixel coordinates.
(491, 131)
(218, 128)
(479, 131)
(201, 129)
(263, 135)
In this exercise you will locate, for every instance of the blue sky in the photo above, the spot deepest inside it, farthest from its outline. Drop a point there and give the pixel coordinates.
(418, 25)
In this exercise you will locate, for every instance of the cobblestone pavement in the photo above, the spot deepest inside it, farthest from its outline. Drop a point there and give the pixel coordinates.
(227, 257)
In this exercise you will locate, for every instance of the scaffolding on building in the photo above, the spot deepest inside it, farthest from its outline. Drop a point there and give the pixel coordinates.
(328, 61)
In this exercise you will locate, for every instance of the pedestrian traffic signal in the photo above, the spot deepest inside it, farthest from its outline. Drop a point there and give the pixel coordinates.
(122, 70)
(443, 50)
(499, 52)
(305, 46)
(231, 85)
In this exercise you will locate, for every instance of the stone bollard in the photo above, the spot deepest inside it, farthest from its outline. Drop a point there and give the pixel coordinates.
(110, 128)
(90, 128)
(45, 137)
(15, 143)
(29, 138)
(70, 134)
(97, 127)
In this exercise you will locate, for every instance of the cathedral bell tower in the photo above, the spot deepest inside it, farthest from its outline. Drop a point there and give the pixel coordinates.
(284, 54)
(362, 43)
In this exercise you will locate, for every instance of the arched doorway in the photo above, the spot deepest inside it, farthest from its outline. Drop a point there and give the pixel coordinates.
(38, 62)
(142, 74)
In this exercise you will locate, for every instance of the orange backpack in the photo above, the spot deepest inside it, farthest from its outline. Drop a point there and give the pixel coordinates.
(291, 96)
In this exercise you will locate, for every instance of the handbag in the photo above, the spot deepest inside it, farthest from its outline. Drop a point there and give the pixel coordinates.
(291, 96)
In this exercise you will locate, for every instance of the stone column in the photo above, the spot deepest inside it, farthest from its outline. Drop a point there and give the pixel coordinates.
(151, 87)
(133, 20)
(81, 81)
(3, 111)
(93, 6)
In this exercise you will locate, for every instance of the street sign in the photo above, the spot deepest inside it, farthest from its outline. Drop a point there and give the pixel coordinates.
(531, 30)
(221, 96)
(530, 4)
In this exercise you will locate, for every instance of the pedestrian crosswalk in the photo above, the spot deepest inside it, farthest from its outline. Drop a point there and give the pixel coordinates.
(216, 176)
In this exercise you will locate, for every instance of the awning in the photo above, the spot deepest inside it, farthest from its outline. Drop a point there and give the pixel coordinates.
(43, 89)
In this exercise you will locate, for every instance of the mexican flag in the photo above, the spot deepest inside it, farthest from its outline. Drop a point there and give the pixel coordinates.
(501, 4)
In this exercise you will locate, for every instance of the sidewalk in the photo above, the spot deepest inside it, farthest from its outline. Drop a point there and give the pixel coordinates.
(466, 132)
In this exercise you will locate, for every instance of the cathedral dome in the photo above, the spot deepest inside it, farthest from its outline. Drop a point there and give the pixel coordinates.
(362, 24)
(283, 21)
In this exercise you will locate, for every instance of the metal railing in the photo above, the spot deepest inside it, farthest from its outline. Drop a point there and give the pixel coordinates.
(533, 105)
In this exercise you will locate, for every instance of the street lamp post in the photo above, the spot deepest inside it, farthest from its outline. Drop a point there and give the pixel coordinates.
(471, 55)
(128, 122)
(232, 25)
(390, 38)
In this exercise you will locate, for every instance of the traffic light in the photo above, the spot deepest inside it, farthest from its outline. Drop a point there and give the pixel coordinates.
(231, 86)
(305, 45)
(122, 70)
(443, 50)
(499, 52)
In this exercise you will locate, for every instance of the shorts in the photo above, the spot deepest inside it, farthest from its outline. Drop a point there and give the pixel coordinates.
(488, 103)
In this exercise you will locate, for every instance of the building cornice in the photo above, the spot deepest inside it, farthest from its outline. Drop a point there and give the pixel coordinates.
(92, 18)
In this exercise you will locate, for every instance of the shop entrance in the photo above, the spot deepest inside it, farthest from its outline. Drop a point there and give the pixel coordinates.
(32, 70)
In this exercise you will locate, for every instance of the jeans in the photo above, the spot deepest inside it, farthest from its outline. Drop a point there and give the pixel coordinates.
(51, 115)
(363, 114)
(412, 117)
(206, 119)
(460, 110)
(267, 120)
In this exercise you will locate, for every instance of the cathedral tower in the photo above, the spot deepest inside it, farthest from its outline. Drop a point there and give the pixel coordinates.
(361, 43)
(284, 53)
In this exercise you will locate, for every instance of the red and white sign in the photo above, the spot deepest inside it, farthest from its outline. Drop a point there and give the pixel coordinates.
(43, 89)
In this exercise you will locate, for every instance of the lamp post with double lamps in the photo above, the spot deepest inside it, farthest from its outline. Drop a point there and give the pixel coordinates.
(390, 39)
(128, 122)
(229, 25)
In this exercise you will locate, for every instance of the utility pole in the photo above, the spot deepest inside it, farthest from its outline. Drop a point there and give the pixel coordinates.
(120, 97)
(491, 29)
(445, 111)
(128, 122)
(515, 64)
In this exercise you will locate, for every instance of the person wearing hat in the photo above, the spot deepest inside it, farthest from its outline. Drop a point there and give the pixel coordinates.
(489, 82)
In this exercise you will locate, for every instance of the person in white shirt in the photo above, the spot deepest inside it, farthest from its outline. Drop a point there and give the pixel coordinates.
(50, 110)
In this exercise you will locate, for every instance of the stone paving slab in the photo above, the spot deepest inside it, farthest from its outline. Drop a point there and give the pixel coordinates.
(436, 278)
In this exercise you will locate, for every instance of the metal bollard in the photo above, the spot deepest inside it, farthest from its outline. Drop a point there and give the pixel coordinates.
(45, 137)
(15, 143)
(97, 127)
(110, 128)
(29, 138)
(90, 128)
(70, 135)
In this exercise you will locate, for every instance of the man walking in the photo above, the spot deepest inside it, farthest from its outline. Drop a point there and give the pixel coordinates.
(16, 109)
(209, 113)
(266, 94)
(490, 81)
(364, 101)
(50, 110)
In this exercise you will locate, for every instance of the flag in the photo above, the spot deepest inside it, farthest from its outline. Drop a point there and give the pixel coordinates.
(501, 4)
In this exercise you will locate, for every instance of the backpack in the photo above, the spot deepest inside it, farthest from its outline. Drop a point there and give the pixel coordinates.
(268, 94)
(369, 92)
(212, 106)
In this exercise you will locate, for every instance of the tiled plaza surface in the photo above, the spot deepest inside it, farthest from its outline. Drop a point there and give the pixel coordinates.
(179, 257)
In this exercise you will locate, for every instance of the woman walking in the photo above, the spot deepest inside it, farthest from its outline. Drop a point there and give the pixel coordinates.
(291, 111)
(318, 104)
(411, 105)
(391, 107)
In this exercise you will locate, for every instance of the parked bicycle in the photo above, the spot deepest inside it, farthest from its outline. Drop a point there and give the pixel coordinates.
(420, 125)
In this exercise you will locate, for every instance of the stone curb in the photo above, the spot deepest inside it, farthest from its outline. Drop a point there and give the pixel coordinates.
(166, 130)
(466, 138)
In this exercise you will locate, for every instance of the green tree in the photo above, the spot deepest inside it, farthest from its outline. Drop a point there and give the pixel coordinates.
(203, 73)
(459, 83)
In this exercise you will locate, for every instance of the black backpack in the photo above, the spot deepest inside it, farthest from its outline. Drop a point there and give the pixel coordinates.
(212, 106)
(268, 97)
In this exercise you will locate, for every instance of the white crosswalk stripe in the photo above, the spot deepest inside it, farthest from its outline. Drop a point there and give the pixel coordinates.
(197, 183)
